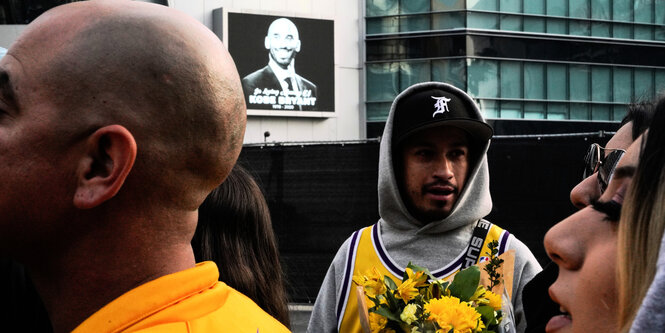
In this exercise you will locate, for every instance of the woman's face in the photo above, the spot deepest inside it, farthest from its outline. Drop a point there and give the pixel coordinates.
(584, 248)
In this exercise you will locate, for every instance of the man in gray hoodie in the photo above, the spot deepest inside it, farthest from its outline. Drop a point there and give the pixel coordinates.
(433, 194)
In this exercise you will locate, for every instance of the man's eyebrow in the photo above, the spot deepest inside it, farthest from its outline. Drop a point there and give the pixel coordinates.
(419, 144)
(6, 89)
(624, 172)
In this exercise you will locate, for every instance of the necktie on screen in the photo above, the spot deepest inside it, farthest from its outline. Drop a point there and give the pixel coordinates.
(289, 83)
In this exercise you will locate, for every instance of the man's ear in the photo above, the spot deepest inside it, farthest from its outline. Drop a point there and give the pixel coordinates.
(109, 156)
(266, 42)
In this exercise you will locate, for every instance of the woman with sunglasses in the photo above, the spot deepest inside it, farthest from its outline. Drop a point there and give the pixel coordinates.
(538, 308)
(584, 247)
(597, 172)
(641, 251)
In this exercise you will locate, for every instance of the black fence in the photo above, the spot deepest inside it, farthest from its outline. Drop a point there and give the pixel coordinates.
(320, 193)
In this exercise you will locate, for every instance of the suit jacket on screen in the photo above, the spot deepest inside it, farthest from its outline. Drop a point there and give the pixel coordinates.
(266, 78)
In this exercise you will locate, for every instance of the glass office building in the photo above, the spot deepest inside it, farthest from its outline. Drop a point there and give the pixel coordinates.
(521, 59)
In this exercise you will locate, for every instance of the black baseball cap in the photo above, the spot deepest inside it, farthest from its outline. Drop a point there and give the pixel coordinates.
(431, 104)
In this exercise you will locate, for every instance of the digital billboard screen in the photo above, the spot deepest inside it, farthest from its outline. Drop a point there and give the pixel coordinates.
(285, 63)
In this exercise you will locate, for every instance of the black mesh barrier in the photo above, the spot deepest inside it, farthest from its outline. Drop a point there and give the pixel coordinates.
(319, 194)
(530, 182)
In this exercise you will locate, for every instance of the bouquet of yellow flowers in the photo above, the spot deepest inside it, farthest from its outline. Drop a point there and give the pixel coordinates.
(420, 303)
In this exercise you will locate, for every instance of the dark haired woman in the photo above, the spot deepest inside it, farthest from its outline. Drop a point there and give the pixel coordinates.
(235, 231)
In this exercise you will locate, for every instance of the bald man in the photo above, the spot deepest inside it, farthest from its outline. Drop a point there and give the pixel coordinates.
(117, 118)
(277, 85)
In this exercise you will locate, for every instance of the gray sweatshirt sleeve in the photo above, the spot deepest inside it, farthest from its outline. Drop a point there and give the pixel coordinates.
(651, 315)
(324, 317)
(526, 267)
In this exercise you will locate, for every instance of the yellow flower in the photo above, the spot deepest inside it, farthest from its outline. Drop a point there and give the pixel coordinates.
(480, 291)
(419, 277)
(370, 303)
(377, 322)
(494, 300)
(372, 282)
(408, 289)
(409, 313)
(449, 313)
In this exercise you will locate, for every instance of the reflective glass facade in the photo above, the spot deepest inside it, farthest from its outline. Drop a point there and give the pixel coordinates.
(525, 59)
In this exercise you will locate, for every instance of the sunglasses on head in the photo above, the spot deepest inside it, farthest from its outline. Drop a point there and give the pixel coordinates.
(603, 163)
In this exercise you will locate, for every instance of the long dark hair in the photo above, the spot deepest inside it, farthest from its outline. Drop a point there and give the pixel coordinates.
(642, 222)
(235, 231)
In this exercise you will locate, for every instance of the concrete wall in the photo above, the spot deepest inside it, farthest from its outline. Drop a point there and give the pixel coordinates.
(348, 122)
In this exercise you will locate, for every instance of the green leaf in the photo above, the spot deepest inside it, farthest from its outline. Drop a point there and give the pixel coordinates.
(430, 327)
(384, 311)
(389, 282)
(393, 302)
(487, 312)
(417, 268)
(465, 283)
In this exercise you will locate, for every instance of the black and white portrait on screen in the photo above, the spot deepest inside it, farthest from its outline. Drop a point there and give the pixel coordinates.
(287, 63)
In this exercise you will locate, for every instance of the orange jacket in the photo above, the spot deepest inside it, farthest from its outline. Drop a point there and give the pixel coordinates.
(188, 301)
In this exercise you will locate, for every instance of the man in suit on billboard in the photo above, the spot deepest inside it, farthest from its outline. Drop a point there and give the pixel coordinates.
(277, 84)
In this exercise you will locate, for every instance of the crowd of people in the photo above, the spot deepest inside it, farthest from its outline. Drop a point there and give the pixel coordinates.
(125, 207)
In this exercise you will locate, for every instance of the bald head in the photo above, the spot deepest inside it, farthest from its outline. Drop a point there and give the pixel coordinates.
(283, 41)
(117, 118)
(159, 73)
(283, 26)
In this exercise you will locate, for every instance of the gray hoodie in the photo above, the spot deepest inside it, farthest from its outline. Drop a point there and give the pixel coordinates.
(432, 245)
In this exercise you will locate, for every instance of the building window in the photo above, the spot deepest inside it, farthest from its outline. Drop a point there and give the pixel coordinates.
(627, 19)
(519, 59)
(520, 89)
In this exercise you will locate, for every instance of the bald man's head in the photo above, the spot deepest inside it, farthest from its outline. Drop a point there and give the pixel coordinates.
(158, 73)
(117, 118)
(283, 41)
